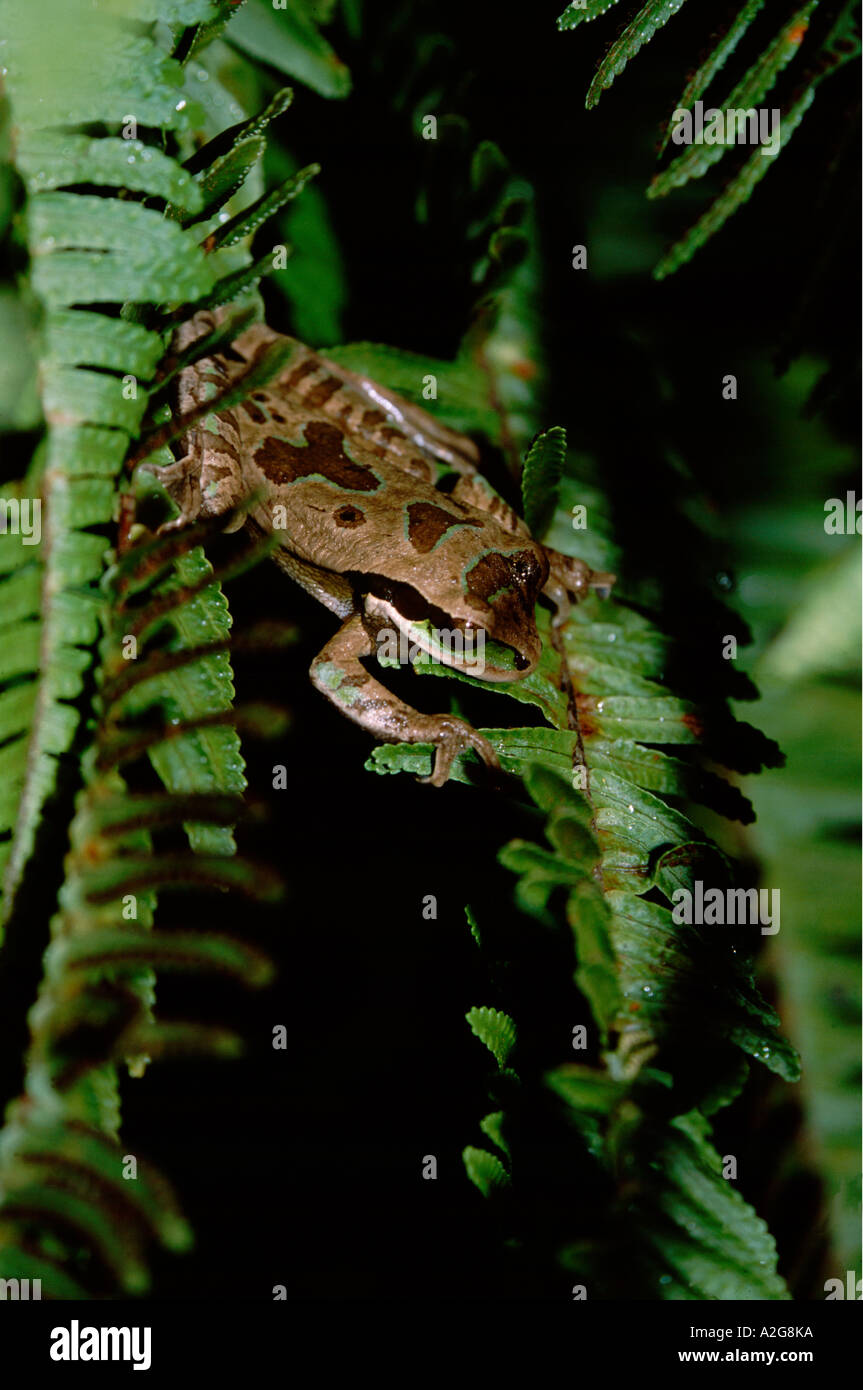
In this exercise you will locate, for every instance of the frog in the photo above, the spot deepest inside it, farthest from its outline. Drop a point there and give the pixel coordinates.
(380, 512)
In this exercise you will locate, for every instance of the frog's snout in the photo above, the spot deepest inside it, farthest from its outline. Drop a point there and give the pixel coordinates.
(524, 661)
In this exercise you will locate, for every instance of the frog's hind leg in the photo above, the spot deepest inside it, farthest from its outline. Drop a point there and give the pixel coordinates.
(338, 673)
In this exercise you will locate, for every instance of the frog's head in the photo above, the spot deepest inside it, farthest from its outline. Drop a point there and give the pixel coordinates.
(499, 593)
(488, 627)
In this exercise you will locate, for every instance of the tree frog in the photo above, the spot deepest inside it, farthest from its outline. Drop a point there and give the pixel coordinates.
(382, 515)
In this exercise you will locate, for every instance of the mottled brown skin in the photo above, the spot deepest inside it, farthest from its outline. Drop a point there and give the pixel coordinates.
(346, 474)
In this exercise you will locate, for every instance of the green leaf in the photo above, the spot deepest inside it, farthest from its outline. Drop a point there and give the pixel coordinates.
(656, 771)
(749, 93)
(50, 71)
(460, 399)
(115, 949)
(822, 635)
(204, 760)
(49, 159)
(91, 277)
(75, 337)
(290, 41)
(518, 749)
(19, 398)
(540, 479)
(580, 11)
(93, 1225)
(495, 1029)
(492, 1125)
(220, 181)
(472, 923)
(248, 221)
(315, 281)
(705, 73)
(734, 195)
(697, 1225)
(640, 31)
(485, 1170)
(682, 980)
(17, 1263)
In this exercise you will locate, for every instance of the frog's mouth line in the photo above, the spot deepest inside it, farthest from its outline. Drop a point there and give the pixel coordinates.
(472, 651)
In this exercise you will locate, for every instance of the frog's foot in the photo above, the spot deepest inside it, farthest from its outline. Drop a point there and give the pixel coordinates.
(571, 580)
(339, 674)
(451, 736)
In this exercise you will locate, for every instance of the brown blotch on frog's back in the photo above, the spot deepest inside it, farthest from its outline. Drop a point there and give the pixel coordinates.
(254, 413)
(297, 374)
(418, 468)
(321, 391)
(323, 454)
(428, 523)
(372, 418)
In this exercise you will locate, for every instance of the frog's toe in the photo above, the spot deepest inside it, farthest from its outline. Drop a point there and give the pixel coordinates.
(602, 583)
(451, 737)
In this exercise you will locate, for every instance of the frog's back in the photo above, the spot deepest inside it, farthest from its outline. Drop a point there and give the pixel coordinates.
(389, 425)
(351, 507)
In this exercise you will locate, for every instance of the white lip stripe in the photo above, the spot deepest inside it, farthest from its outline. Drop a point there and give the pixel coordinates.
(418, 636)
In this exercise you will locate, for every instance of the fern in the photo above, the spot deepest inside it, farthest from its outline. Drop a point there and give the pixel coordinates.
(61, 1163)
(833, 43)
(82, 618)
(486, 1169)
(540, 479)
(291, 41)
(653, 16)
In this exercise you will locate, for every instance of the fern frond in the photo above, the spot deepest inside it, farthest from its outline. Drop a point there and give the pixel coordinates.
(76, 621)
(682, 1232)
(94, 1008)
(651, 17)
(719, 55)
(86, 249)
(495, 1029)
(581, 11)
(486, 1170)
(736, 192)
(540, 479)
(841, 45)
(749, 92)
(291, 41)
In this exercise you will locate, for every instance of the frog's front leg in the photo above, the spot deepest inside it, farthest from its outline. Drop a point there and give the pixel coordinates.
(207, 482)
(338, 673)
(571, 580)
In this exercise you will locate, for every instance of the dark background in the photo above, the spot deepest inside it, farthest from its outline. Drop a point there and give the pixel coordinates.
(303, 1167)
